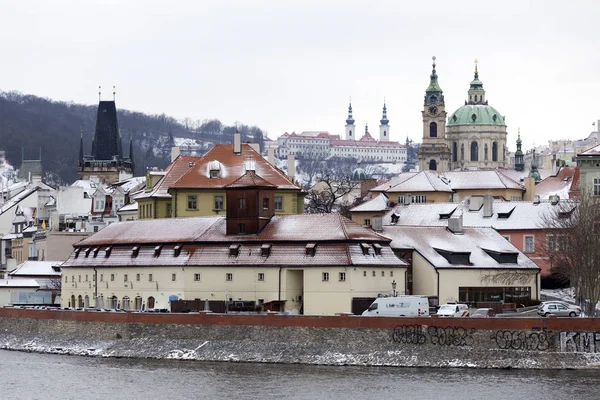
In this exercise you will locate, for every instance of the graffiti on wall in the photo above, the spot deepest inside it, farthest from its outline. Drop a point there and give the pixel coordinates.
(521, 340)
(439, 336)
(579, 342)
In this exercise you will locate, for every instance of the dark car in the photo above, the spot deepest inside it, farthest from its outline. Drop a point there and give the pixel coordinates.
(484, 313)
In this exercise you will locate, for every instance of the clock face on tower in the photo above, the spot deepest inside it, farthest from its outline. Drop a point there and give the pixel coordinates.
(433, 110)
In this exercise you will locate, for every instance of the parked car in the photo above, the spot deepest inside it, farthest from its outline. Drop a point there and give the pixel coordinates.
(564, 303)
(484, 313)
(559, 309)
(453, 310)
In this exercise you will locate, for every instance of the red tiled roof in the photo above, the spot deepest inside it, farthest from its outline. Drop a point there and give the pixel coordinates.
(250, 179)
(232, 167)
(173, 172)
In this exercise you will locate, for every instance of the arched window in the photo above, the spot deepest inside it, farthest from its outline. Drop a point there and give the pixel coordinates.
(150, 303)
(384, 133)
(86, 301)
(73, 304)
(79, 301)
(432, 165)
(454, 152)
(433, 129)
(495, 151)
(125, 304)
(350, 133)
(138, 303)
(474, 151)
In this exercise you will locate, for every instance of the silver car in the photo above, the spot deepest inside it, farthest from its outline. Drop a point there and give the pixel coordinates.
(559, 309)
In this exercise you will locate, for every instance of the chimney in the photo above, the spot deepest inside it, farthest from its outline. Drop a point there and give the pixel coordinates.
(255, 146)
(455, 224)
(174, 153)
(456, 198)
(291, 167)
(237, 143)
(271, 155)
(475, 203)
(377, 224)
(536, 199)
(529, 189)
(488, 206)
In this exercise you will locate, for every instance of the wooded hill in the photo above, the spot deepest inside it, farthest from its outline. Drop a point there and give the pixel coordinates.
(28, 123)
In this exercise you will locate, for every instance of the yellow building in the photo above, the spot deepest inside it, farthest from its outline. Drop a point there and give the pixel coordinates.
(195, 186)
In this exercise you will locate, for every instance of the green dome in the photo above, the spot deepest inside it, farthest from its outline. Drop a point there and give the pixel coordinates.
(476, 114)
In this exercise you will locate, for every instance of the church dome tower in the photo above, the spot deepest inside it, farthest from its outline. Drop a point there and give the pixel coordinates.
(350, 127)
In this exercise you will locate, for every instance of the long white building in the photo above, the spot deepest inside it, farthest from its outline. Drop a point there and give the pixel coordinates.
(324, 144)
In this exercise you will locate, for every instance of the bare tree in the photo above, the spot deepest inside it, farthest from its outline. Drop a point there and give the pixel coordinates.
(572, 244)
(54, 284)
(329, 191)
(310, 164)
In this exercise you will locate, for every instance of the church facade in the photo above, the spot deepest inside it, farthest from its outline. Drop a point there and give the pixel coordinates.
(473, 137)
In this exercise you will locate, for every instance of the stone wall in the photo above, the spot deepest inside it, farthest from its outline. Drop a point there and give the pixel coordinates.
(342, 340)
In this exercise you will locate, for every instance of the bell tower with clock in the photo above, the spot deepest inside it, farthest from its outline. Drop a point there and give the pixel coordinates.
(434, 153)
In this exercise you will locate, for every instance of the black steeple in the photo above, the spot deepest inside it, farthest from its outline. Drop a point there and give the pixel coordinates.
(519, 162)
(434, 93)
(350, 120)
(384, 119)
(106, 138)
(81, 144)
(131, 148)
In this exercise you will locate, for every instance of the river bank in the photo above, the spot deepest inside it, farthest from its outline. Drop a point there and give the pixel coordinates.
(343, 340)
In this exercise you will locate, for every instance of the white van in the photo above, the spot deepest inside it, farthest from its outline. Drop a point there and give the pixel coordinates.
(453, 310)
(400, 306)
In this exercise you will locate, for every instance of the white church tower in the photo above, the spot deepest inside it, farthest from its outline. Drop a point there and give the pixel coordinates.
(384, 128)
(350, 127)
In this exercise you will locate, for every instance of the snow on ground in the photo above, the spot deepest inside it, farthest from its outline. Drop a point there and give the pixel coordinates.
(565, 294)
(179, 141)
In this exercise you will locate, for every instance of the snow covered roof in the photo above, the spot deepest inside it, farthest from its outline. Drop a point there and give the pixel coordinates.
(127, 185)
(17, 199)
(379, 203)
(36, 268)
(129, 207)
(172, 173)
(425, 181)
(479, 179)
(517, 215)
(432, 242)
(18, 283)
(560, 184)
(594, 151)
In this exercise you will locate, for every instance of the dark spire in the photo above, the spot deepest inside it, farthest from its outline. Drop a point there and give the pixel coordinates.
(519, 162)
(434, 93)
(106, 137)
(81, 144)
(366, 127)
(131, 148)
(384, 119)
(350, 120)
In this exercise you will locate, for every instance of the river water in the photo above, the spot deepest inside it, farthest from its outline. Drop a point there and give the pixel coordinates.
(47, 376)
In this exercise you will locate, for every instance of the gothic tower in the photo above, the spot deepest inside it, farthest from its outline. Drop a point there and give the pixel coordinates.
(434, 153)
(384, 128)
(350, 128)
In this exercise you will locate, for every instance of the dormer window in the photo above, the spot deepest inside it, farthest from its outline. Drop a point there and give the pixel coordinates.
(234, 250)
(87, 251)
(157, 250)
(177, 250)
(377, 249)
(107, 251)
(265, 250)
(214, 174)
(365, 248)
(135, 251)
(311, 249)
(214, 169)
(77, 251)
(96, 250)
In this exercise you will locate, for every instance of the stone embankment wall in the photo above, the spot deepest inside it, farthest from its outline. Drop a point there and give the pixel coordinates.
(342, 340)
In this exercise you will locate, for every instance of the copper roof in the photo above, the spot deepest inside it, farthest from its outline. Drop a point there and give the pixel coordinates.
(232, 167)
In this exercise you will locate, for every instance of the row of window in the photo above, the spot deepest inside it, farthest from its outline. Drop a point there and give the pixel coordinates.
(402, 199)
(342, 275)
(474, 151)
(219, 203)
(553, 243)
(197, 277)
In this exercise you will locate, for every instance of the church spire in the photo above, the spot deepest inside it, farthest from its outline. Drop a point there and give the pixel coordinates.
(366, 128)
(81, 144)
(519, 162)
(476, 92)
(350, 120)
(131, 148)
(434, 93)
(384, 119)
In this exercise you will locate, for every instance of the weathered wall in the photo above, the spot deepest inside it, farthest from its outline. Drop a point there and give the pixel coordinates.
(343, 340)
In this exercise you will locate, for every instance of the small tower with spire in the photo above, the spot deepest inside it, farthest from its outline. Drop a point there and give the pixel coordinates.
(350, 127)
(519, 162)
(476, 92)
(80, 145)
(384, 128)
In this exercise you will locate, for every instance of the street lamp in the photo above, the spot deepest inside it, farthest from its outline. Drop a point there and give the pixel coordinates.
(394, 287)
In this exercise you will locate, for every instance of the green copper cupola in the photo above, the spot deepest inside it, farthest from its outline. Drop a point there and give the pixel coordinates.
(384, 119)
(433, 93)
(476, 92)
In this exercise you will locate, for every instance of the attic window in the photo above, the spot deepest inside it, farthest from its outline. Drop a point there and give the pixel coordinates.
(214, 169)
(107, 251)
(77, 251)
(395, 218)
(96, 250)
(214, 174)
(135, 251)
(177, 250)
(87, 251)
(503, 257)
(365, 248)
(190, 164)
(311, 248)
(265, 250)
(157, 250)
(455, 258)
(234, 250)
(377, 249)
(505, 214)
(447, 215)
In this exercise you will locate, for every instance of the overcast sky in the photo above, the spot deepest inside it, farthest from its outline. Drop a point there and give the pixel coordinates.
(292, 65)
